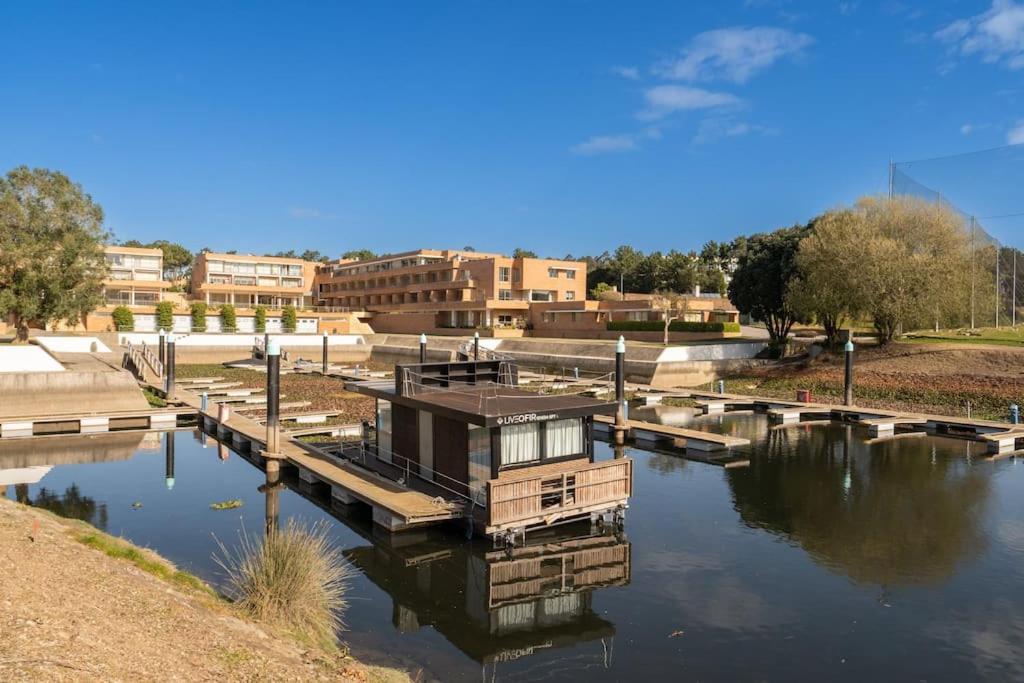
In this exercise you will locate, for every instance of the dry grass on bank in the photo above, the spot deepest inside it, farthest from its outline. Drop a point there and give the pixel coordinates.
(293, 578)
(323, 393)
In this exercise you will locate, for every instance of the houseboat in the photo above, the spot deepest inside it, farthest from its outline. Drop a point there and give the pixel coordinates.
(515, 459)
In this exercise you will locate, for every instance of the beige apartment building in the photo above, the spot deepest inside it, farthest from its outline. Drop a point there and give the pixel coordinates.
(247, 281)
(432, 290)
(136, 277)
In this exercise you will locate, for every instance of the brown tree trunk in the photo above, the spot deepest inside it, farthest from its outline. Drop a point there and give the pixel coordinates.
(21, 330)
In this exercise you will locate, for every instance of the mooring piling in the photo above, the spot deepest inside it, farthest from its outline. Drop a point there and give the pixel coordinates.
(169, 369)
(848, 375)
(476, 346)
(273, 355)
(620, 391)
(423, 348)
(325, 354)
(161, 346)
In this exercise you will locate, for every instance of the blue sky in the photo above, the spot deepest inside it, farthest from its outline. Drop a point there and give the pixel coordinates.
(557, 126)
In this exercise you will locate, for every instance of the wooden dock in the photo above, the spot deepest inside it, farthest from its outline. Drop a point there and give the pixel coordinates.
(155, 419)
(395, 507)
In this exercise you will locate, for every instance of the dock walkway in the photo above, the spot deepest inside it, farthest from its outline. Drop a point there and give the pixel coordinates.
(394, 507)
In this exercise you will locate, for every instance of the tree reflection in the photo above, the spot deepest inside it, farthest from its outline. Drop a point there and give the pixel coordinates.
(891, 513)
(72, 504)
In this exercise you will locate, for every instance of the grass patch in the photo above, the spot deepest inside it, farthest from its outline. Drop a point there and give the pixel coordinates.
(294, 578)
(1004, 336)
(227, 504)
(122, 550)
(155, 401)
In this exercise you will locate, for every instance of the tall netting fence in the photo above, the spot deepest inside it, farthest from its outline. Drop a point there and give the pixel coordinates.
(984, 189)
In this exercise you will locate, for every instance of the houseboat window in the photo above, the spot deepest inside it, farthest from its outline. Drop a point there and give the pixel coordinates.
(479, 462)
(564, 437)
(384, 430)
(520, 443)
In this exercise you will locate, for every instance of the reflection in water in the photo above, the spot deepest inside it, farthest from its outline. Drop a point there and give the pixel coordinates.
(495, 605)
(888, 513)
(71, 504)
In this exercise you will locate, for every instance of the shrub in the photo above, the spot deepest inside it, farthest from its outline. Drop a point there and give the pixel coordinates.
(261, 319)
(198, 316)
(227, 318)
(124, 319)
(165, 315)
(294, 578)
(674, 326)
(288, 319)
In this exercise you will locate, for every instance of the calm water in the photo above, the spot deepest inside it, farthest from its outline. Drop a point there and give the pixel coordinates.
(829, 558)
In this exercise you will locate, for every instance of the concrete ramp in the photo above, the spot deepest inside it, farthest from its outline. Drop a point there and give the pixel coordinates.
(37, 394)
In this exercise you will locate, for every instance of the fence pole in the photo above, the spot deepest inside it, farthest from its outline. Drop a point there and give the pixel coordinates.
(972, 273)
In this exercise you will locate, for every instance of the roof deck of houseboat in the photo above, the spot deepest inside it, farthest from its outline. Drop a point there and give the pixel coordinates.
(488, 404)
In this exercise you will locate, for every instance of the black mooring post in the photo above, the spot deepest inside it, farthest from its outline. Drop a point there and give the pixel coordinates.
(273, 396)
(476, 346)
(266, 343)
(848, 378)
(423, 349)
(620, 390)
(169, 368)
(325, 354)
(169, 464)
(161, 350)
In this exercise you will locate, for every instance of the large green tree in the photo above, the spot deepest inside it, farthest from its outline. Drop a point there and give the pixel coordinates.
(762, 279)
(51, 249)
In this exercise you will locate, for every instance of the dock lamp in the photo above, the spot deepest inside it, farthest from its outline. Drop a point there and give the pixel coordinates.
(848, 375)
(476, 346)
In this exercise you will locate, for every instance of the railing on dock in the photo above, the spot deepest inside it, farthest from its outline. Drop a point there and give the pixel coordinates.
(141, 360)
(515, 502)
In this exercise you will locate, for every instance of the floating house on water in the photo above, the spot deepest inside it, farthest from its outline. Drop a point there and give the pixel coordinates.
(515, 459)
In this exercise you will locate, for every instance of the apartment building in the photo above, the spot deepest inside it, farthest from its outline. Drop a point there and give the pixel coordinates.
(136, 276)
(432, 289)
(247, 281)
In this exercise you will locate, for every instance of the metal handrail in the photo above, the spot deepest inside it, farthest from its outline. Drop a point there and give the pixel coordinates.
(363, 450)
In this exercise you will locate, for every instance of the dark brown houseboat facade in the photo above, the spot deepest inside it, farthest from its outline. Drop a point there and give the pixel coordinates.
(515, 459)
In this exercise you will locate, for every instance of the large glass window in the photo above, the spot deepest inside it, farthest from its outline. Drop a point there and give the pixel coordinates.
(564, 437)
(479, 462)
(384, 430)
(504, 274)
(520, 443)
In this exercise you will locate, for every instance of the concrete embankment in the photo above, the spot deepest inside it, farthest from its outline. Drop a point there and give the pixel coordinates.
(85, 385)
(686, 366)
(201, 348)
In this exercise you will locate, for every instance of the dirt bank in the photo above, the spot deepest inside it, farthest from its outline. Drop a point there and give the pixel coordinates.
(932, 378)
(70, 612)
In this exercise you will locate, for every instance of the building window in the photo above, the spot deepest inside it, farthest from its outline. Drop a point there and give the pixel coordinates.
(572, 316)
(563, 437)
(520, 444)
(552, 272)
(570, 296)
(504, 274)
(504, 319)
(571, 274)
(505, 294)
(540, 295)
